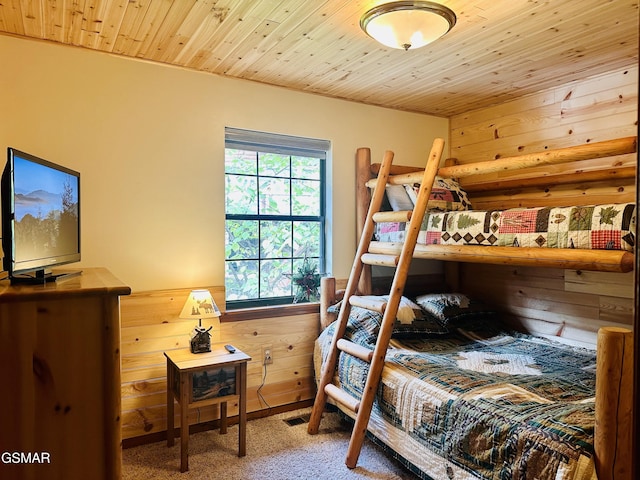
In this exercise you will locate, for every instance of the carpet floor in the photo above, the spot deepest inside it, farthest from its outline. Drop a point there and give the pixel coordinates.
(278, 448)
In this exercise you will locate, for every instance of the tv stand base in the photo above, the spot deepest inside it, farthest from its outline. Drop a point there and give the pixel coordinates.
(41, 277)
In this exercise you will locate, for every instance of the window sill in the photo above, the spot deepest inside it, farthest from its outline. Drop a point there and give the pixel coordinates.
(269, 312)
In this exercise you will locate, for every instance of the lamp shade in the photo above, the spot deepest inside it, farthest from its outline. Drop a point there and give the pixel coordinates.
(199, 305)
(407, 25)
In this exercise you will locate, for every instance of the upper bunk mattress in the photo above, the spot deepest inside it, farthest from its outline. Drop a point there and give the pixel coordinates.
(608, 226)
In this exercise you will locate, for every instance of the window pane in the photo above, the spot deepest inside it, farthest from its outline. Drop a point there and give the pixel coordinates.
(241, 239)
(240, 161)
(274, 279)
(265, 194)
(276, 239)
(306, 197)
(241, 195)
(306, 239)
(273, 165)
(305, 167)
(241, 280)
(274, 196)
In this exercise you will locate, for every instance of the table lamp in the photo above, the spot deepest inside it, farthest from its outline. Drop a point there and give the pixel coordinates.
(199, 305)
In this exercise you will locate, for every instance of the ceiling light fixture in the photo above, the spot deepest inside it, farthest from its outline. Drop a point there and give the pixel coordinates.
(407, 25)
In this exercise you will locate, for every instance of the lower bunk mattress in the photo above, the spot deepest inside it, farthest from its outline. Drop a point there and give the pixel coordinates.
(610, 226)
(479, 402)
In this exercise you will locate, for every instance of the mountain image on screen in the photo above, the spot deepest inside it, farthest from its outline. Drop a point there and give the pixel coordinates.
(46, 213)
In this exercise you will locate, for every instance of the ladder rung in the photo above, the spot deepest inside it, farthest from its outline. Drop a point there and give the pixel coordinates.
(342, 397)
(380, 259)
(374, 304)
(358, 351)
(399, 216)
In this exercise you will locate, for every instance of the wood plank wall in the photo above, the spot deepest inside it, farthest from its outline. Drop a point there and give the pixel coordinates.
(564, 302)
(150, 326)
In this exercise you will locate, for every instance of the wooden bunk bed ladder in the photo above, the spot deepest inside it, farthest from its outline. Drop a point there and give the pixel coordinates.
(389, 308)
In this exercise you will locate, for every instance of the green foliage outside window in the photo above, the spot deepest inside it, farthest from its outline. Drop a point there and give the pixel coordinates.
(274, 223)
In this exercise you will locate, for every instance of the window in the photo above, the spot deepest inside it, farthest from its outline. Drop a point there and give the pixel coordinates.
(275, 214)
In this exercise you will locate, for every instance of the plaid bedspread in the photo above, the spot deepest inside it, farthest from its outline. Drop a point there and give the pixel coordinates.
(482, 404)
(610, 226)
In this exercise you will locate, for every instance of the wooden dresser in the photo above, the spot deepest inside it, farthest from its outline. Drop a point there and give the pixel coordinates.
(60, 378)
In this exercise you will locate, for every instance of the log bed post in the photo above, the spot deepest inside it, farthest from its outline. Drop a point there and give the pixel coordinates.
(614, 404)
(363, 199)
(451, 269)
(327, 298)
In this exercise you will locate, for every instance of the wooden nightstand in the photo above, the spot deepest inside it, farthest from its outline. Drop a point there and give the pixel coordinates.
(201, 379)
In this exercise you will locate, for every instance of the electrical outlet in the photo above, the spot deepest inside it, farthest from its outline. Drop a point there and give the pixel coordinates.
(266, 355)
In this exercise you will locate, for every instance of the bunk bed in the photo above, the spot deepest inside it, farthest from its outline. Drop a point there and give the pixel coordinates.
(580, 424)
(520, 184)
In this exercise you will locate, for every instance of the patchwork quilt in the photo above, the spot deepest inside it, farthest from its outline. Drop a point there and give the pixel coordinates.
(609, 226)
(481, 403)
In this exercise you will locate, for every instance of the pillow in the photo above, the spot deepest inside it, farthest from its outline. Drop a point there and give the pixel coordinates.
(398, 198)
(362, 327)
(422, 325)
(453, 308)
(407, 310)
(411, 321)
(446, 195)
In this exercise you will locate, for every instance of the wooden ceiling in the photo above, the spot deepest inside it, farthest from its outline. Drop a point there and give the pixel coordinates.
(499, 49)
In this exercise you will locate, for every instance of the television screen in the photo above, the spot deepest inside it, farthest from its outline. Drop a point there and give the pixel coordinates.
(40, 215)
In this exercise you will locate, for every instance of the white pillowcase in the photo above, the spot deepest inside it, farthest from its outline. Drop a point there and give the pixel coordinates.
(450, 299)
(398, 198)
(406, 314)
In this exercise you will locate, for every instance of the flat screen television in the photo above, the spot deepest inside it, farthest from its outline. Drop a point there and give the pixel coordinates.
(40, 217)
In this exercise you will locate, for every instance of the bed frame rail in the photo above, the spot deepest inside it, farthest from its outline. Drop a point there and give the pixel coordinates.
(576, 259)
